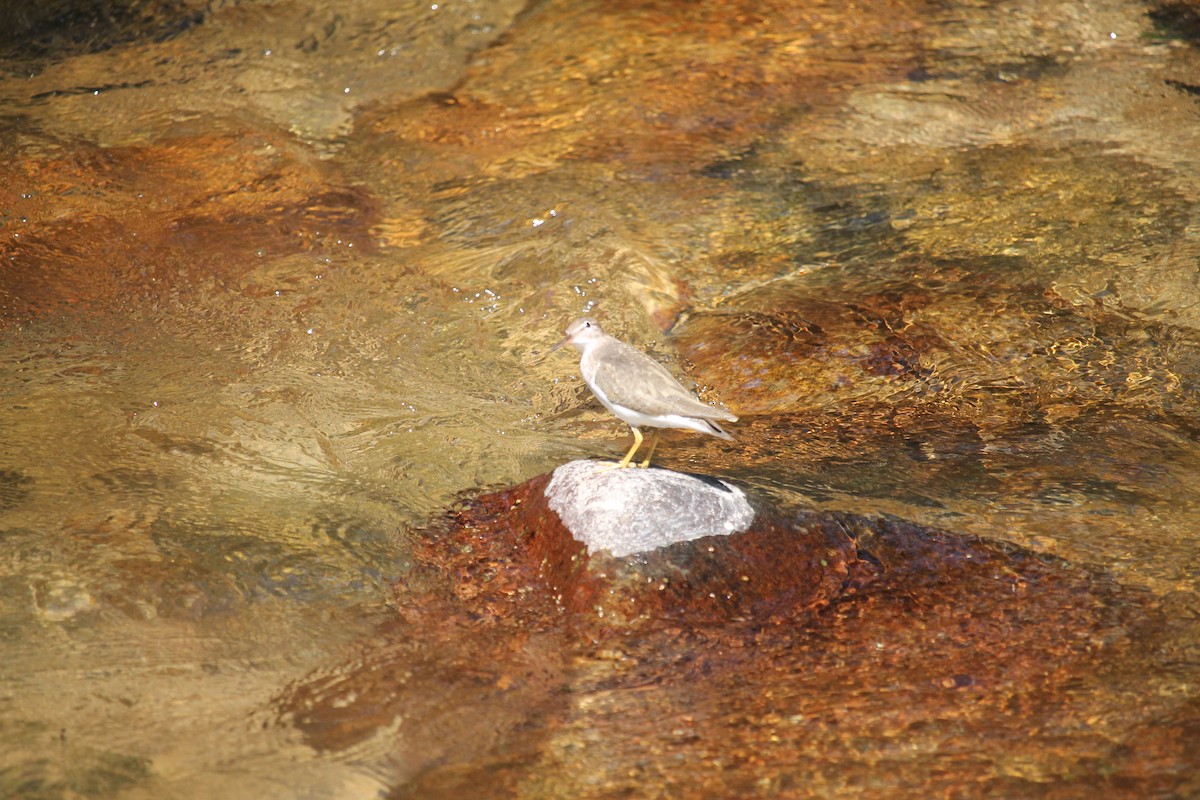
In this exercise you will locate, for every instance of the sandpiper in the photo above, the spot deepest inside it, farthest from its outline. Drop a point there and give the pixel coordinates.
(638, 389)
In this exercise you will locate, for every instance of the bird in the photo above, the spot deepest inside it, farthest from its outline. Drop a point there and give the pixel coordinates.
(637, 389)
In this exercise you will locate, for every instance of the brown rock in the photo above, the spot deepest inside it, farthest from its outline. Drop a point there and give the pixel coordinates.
(806, 648)
(101, 228)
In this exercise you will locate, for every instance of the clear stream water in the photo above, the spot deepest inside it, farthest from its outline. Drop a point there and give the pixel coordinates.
(277, 282)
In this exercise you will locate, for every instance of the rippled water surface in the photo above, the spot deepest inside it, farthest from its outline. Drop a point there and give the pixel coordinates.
(279, 278)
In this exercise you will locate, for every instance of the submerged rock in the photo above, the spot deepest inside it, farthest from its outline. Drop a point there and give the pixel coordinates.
(810, 644)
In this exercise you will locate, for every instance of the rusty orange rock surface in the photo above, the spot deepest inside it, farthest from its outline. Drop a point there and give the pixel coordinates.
(812, 643)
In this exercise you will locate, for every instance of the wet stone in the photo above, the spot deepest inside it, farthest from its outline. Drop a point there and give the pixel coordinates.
(514, 643)
(627, 511)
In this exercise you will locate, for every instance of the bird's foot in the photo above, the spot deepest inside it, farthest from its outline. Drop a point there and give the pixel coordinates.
(611, 466)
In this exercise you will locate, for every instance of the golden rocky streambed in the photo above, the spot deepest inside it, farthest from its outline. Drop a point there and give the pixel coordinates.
(276, 284)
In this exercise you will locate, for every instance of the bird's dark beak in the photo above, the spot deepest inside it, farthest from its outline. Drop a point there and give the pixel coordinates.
(566, 340)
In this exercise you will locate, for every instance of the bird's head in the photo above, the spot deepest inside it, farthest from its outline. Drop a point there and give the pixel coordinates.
(580, 333)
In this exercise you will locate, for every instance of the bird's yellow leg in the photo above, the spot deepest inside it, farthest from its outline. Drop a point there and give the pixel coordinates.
(637, 442)
(653, 444)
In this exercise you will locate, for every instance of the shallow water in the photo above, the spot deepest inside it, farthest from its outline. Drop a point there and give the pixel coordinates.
(278, 280)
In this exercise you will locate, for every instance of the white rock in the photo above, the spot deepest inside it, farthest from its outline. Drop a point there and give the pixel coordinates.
(628, 511)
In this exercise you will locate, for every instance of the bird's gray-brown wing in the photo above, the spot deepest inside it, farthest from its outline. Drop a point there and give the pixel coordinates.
(632, 379)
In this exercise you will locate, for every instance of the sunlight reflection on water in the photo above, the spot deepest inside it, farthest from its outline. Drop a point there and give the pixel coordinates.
(278, 283)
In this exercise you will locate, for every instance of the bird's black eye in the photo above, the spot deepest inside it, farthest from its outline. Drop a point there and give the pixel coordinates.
(587, 324)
